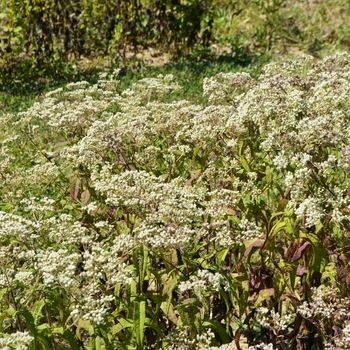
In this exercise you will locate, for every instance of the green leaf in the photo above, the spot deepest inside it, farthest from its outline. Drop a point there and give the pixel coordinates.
(31, 325)
(98, 342)
(140, 316)
(85, 324)
(168, 309)
(279, 226)
(244, 163)
(331, 274)
(289, 226)
(44, 329)
(282, 205)
(123, 323)
(220, 329)
(143, 269)
(38, 313)
(269, 174)
(167, 306)
(2, 324)
(18, 29)
(279, 285)
(320, 255)
(11, 311)
(85, 198)
(3, 292)
(264, 294)
(44, 342)
(188, 301)
(221, 255)
(68, 336)
(319, 227)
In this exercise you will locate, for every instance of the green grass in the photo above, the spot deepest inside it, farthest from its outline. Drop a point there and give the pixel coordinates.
(17, 96)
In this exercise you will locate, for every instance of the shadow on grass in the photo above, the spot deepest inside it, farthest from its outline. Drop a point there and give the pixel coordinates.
(24, 85)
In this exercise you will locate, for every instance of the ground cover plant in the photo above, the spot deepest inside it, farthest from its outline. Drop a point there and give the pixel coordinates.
(133, 220)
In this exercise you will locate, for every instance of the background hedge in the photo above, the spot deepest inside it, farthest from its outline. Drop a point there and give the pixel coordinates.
(43, 35)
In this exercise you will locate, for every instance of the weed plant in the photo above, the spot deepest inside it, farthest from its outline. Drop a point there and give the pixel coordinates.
(133, 220)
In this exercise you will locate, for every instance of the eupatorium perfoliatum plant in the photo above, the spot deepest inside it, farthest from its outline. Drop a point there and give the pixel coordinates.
(132, 221)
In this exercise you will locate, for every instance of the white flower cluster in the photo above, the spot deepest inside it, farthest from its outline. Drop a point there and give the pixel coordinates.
(66, 231)
(342, 342)
(15, 226)
(102, 263)
(250, 230)
(25, 278)
(328, 309)
(170, 210)
(72, 109)
(201, 282)
(179, 340)
(262, 346)
(19, 340)
(224, 86)
(57, 267)
(325, 304)
(273, 320)
(204, 340)
(34, 204)
(128, 170)
(230, 346)
(311, 210)
(92, 308)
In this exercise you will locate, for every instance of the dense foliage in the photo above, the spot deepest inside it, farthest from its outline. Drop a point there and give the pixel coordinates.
(134, 221)
(48, 38)
(44, 34)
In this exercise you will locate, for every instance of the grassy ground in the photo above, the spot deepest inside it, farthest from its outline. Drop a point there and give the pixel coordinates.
(18, 96)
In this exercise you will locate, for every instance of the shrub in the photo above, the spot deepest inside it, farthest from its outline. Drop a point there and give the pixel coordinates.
(45, 38)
